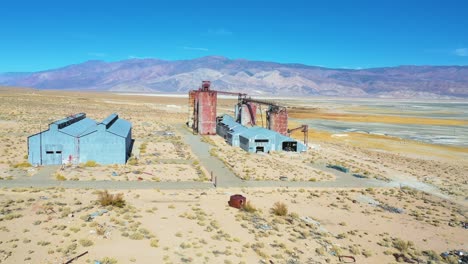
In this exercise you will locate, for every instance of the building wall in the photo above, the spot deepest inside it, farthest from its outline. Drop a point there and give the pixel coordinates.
(249, 144)
(128, 145)
(56, 147)
(103, 147)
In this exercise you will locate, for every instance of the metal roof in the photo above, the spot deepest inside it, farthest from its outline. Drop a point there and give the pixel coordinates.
(120, 127)
(70, 119)
(78, 128)
(108, 120)
(258, 132)
(79, 125)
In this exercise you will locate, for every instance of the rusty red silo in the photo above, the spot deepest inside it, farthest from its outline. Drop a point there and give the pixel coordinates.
(206, 101)
(278, 120)
(237, 201)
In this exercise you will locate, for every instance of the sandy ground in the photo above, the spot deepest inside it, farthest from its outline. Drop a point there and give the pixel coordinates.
(36, 225)
(51, 226)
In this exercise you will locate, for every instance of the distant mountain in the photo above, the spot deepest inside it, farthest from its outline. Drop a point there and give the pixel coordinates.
(253, 77)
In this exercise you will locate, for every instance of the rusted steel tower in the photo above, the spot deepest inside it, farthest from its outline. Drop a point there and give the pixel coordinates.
(246, 113)
(203, 103)
(276, 115)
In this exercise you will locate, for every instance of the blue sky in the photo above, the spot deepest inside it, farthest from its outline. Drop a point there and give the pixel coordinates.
(40, 35)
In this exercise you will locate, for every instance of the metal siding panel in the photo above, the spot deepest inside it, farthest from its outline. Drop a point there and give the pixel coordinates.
(56, 138)
(34, 149)
(104, 148)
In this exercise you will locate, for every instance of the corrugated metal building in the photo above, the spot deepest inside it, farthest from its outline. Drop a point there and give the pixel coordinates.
(258, 139)
(255, 139)
(229, 129)
(79, 139)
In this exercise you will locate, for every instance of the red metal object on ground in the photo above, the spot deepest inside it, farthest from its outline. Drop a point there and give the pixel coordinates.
(237, 201)
(278, 120)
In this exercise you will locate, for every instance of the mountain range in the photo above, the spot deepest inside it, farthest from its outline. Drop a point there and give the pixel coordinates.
(252, 77)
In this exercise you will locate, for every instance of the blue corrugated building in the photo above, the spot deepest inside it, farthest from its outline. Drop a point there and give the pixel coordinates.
(229, 129)
(255, 139)
(79, 139)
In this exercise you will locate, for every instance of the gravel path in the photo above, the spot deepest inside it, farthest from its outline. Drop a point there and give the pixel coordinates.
(225, 177)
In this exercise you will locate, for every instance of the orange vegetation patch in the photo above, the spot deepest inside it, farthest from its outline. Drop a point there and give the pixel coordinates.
(317, 114)
(386, 143)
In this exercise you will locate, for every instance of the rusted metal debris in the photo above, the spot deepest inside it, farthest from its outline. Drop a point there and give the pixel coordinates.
(347, 259)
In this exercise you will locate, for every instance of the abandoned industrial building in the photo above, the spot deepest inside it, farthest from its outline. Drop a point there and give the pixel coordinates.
(78, 139)
(255, 139)
(242, 131)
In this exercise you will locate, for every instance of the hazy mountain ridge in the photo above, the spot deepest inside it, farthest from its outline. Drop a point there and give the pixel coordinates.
(254, 77)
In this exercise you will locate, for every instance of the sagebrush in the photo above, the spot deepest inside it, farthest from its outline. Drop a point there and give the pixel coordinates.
(105, 198)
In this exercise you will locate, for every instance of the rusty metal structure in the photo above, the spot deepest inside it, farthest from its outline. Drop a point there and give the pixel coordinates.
(276, 115)
(246, 113)
(202, 108)
(304, 129)
(203, 115)
(203, 102)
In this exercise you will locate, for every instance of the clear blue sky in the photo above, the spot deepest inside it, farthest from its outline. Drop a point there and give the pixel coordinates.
(40, 34)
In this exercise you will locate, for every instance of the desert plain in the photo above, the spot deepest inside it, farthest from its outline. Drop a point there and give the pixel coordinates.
(408, 204)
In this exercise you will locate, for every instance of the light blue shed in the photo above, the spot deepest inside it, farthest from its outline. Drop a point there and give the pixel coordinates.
(229, 129)
(78, 139)
(255, 139)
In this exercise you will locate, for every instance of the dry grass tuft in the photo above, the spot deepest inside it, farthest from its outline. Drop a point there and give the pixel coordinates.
(279, 209)
(105, 199)
(249, 207)
(91, 163)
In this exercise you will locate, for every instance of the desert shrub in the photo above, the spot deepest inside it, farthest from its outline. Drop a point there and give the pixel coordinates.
(279, 209)
(69, 249)
(60, 177)
(154, 242)
(366, 253)
(86, 242)
(143, 147)
(43, 243)
(320, 251)
(105, 199)
(108, 260)
(401, 245)
(249, 207)
(354, 249)
(432, 255)
(100, 230)
(22, 165)
(132, 161)
(91, 163)
(136, 236)
(11, 216)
